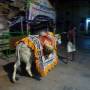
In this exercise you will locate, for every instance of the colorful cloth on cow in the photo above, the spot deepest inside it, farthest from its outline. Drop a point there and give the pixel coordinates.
(48, 38)
(26, 41)
(37, 43)
(33, 43)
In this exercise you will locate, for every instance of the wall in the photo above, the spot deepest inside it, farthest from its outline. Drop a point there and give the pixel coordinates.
(3, 24)
(73, 12)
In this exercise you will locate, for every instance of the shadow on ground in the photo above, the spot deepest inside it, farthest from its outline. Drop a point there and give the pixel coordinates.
(9, 69)
(21, 71)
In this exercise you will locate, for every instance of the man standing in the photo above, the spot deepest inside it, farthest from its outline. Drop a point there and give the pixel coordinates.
(71, 37)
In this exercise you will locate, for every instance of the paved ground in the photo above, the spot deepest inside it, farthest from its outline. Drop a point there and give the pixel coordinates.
(72, 76)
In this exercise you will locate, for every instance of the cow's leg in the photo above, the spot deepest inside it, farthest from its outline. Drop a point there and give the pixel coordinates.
(28, 69)
(26, 55)
(16, 65)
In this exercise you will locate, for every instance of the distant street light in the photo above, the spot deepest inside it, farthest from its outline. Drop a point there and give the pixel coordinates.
(87, 24)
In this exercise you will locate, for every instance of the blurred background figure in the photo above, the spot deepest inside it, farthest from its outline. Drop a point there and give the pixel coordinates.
(71, 44)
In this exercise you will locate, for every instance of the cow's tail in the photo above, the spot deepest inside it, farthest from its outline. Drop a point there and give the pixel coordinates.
(18, 53)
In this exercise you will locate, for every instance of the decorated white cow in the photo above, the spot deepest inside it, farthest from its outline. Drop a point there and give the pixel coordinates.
(37, 44)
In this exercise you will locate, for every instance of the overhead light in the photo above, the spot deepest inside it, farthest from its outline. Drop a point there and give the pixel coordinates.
(87, 23)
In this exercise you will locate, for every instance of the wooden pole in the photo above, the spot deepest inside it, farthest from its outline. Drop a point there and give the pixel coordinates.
(22, 25)
(26, 21)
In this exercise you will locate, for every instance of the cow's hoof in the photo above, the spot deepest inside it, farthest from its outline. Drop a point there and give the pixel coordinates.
(31, 76)
(13, 81)
(16, 79)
